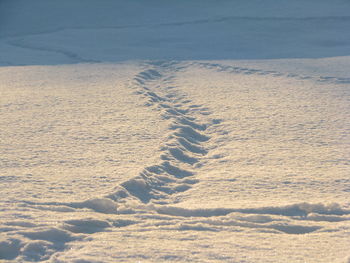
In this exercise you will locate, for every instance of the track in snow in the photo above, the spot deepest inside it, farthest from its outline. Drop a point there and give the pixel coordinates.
(182, 152)
(183, 149)
(147, 201)
(274, 73)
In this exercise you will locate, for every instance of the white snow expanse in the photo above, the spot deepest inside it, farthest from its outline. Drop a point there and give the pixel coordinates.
(175, 131)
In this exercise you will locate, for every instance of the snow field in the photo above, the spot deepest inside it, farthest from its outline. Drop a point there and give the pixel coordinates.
(215, 189)
(158, 145)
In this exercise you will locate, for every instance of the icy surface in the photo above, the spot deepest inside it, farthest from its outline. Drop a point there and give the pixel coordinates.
(210, 131)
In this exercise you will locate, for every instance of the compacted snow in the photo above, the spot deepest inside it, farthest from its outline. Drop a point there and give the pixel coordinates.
(174, 131)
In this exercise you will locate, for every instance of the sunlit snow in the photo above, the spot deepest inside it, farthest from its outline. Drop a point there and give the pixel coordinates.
(174, 131)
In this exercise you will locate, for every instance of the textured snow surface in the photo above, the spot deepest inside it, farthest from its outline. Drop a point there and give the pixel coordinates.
(171, 149)
(173, 161)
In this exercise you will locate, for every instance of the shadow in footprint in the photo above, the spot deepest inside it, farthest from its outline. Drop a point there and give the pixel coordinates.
(182, 157)
(139, 189)
(9, 249)
(190, 134)
(87, 226)
(175, 171)
(191, 147)
(192, 124)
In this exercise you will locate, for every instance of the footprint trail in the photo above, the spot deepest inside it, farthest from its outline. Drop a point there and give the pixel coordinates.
(183, 148)
(147, 201)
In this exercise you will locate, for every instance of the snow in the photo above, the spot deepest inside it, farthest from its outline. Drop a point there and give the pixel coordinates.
(163, 131)
(182, 30)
